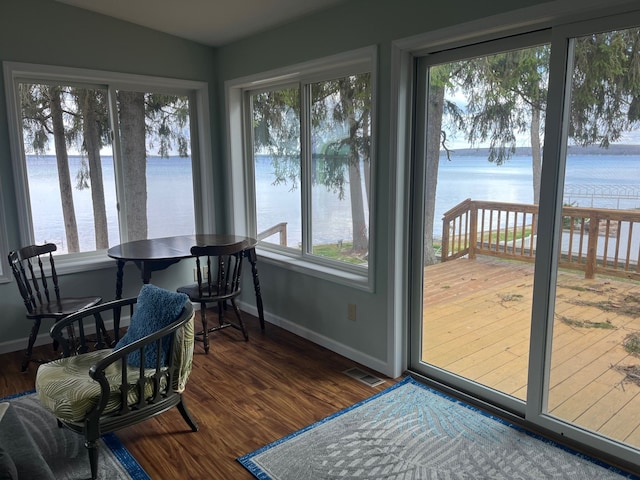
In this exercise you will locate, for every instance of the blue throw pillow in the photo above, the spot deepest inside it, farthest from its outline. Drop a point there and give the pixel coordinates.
(156, 308)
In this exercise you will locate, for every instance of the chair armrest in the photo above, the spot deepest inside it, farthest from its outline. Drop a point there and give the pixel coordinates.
(71, 331)
(141, 379)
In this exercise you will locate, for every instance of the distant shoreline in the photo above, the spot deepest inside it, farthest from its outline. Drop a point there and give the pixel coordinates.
(573, 150)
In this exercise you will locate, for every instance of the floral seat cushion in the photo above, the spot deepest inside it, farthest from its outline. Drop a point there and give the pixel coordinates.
(66, 389)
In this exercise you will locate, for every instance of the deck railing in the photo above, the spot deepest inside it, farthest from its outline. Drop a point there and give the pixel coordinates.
(593, 240)
(279, 228)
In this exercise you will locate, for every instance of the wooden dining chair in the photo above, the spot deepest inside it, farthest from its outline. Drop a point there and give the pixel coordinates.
(218, 274)
(38, 286)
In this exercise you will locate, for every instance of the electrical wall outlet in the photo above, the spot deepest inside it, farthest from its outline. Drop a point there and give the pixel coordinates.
(205, 270)
(351, 312)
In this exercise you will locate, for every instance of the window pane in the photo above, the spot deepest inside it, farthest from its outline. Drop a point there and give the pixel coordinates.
(156, 163)
(595, 369)
(341, 140)
(276, 153)
(70, 179)
(483, 164)
(71, 174)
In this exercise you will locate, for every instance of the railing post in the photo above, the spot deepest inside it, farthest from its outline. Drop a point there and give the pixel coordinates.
(444, 248)
(473, 229)
(592, 246)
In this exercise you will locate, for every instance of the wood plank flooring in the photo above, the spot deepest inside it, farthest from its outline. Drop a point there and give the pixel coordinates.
(242, 394)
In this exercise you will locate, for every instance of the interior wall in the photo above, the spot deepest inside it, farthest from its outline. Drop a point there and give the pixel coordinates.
(313, 307)
(48, 32)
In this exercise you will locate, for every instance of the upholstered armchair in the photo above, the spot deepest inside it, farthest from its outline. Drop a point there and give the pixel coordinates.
(94, 392)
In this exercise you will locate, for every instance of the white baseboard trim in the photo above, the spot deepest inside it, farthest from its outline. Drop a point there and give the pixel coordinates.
(326, 342)
(44, 338)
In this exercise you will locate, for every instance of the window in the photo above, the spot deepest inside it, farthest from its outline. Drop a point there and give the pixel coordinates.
(310, 145)
(599, 240)
(101, 159)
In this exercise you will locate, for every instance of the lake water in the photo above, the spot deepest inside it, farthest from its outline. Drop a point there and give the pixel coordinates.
(169, 190)
(605, 181)
(591, 181)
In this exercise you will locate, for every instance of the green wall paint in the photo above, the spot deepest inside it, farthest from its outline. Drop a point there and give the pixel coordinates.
(314, 304)
(49, 32)
(43, 31)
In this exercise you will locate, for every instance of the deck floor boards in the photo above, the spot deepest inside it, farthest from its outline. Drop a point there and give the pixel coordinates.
(477, 321)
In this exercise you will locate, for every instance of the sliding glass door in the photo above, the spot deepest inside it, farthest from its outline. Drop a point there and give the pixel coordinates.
(480, 165)
(594, 367)
(526, 204)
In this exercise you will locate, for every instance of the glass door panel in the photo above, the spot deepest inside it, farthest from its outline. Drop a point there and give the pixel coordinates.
(595, 358)
(482, 181)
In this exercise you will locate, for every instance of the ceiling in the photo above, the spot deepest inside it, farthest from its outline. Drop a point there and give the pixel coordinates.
(210, 22)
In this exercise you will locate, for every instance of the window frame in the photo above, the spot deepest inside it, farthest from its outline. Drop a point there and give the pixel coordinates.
(15, 73)
(242, 211)
(5, 275)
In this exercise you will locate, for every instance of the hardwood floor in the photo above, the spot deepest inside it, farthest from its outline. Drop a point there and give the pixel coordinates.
(242, 394)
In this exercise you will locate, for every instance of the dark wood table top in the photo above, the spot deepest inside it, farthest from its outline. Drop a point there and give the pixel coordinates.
(172, 248)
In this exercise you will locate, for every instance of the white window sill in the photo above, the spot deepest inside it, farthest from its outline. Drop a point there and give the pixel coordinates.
(361, 281)
(83, 262)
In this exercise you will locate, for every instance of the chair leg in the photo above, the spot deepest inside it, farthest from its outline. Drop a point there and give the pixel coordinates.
(240, 322)
(205, 330)
(221, 308)
(187, 415)
(32, 339)
(92, 447)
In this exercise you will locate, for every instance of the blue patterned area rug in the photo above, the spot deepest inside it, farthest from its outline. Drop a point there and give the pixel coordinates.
(64, 450)
(410, 431)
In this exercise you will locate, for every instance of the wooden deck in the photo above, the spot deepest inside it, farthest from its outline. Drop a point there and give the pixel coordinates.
(477, 324)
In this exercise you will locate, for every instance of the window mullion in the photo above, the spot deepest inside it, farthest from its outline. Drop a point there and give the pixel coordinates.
(305, 167)
(547, 243)
(249, 175)
(117, 162)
